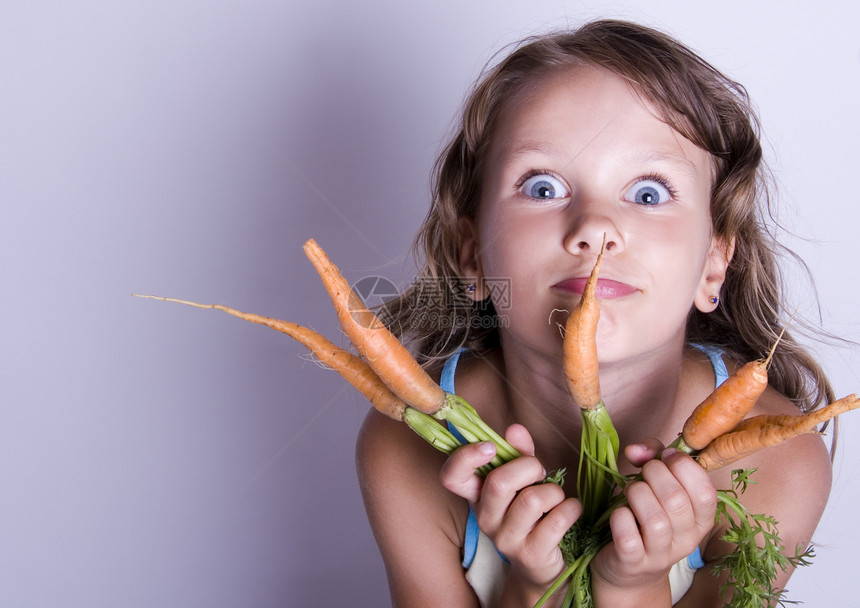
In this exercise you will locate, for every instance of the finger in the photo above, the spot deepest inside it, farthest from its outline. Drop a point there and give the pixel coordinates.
(640, 453)
(697, 485)
(519, 437)
(501, 487)
(550, 531)
(668, 489)
(629, 547)
(525, 512)
(655, 524)
(458, 472)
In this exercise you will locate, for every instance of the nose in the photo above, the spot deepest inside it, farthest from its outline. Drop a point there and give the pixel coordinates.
(589, 225)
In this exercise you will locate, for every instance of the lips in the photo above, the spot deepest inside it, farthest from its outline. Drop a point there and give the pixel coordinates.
(607, 289)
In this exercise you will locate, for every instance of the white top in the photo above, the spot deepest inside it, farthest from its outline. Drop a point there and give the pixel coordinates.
(487, 572)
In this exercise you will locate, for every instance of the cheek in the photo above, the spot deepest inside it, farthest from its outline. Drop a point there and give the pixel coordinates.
(503, 244)
(682, 241)
(520, 254)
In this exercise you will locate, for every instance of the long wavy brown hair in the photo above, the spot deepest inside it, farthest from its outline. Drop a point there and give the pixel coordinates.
(694, 98)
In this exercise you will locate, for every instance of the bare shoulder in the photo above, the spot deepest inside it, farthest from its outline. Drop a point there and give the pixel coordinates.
(398, 469)
(794, 478)
(418, 525)
(481, 381)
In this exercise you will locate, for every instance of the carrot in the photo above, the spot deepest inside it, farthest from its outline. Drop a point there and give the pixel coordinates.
(599, 444)
(726, 406)
(395, 366)
(759, 432)
(580, 345)
(721, 411)
(354, 370)
(388, 358)
(389, 377)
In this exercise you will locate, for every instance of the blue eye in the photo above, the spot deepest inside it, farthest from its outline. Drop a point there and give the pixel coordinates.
(544, 187)
(648, 192)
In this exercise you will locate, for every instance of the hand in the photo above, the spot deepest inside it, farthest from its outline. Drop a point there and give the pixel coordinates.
(525, 519)
(669, 513)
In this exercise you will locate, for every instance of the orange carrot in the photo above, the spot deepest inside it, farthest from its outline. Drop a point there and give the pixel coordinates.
(394, 365)
(721, 411)
(580, 345)
(599, 444)
(726, 406)
(758, 432)
(354, 370)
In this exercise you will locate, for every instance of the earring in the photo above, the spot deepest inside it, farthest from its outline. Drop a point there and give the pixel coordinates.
(470, 288)
(713, 300)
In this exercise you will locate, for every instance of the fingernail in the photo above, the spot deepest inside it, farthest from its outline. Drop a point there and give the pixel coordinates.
(668, 452)
(487, 448)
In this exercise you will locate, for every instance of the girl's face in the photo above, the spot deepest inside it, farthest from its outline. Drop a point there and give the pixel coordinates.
(577, 156)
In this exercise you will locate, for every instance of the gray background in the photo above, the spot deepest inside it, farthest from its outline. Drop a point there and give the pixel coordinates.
(155, 455)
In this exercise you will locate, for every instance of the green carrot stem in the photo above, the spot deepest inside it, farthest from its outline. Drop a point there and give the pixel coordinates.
(436, 434)
(562, 579)
(578, 593)
(572, 595)
(681, 445)
(729, 498)
(598, 461)
(458, 412)
(430, 430)
(617, 478)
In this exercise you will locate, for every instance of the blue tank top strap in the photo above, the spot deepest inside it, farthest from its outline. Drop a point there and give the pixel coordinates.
(446, 381)
(695, 560)
(715, 354)
(470, 541)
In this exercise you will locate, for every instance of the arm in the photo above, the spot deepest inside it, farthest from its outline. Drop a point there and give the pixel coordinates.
(416, 522)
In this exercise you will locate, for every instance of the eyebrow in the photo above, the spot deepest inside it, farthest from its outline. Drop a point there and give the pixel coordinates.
(526, 148)
(676, 159)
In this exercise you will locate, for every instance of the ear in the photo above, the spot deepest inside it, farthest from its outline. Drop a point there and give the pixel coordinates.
(471, 272)
(714, 273)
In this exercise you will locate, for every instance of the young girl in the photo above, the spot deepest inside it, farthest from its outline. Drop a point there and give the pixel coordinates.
(616, 133)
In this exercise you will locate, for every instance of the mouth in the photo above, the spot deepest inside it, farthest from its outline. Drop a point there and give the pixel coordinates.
(607, 289)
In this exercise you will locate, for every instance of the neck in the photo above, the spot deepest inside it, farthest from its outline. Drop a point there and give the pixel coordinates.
(642, 395)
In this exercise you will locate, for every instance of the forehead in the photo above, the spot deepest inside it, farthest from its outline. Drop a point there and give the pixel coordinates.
(581, 107)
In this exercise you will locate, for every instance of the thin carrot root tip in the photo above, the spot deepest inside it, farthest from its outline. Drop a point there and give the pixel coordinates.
(759, 432)
(351, 368)
(773, 349)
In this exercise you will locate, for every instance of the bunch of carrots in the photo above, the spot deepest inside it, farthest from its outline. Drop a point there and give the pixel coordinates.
(716, 433)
